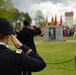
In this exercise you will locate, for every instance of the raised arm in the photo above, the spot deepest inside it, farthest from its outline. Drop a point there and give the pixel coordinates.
(30, 60)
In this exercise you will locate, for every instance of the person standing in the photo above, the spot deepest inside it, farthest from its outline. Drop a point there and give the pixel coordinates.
(14, 62)
(26, 36)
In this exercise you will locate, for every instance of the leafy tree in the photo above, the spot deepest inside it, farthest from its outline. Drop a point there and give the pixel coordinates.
(27, 17)
(1, 7)
(21, 16)
(39, 19)
(6, 9)
(16, 15)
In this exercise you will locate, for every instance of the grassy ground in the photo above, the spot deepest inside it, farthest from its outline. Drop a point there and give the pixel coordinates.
(56, 56)
(57, 52)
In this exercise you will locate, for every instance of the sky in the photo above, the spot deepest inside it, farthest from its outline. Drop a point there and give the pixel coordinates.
(49, 8)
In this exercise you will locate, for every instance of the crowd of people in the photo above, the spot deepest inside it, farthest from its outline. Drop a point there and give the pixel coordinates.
(68, 32)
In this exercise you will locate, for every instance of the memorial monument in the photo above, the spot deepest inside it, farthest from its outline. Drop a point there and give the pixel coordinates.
(53, 33)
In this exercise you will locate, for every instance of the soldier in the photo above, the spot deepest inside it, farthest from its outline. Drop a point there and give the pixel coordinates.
(14, 62)
(26, 36)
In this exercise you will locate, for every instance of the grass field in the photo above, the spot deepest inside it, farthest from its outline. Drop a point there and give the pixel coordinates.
(57, 52)
(59, 56)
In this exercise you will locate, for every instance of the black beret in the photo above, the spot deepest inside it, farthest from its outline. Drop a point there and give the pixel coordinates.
(5, 26)
(27, 23)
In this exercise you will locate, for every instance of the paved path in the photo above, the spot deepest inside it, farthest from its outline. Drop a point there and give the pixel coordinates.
(70, 41)
(37, 42)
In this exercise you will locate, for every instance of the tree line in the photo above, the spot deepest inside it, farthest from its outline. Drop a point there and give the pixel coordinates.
(8, 11)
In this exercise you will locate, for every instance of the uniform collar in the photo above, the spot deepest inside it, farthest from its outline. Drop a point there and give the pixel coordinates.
(1, 43)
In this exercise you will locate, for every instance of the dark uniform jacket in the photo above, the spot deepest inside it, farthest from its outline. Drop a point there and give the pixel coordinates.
(26, 36)
(13, 62)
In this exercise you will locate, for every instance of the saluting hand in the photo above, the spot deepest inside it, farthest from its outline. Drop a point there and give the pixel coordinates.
(16, 42)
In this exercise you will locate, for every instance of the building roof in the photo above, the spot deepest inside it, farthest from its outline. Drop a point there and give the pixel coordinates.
(69, 13)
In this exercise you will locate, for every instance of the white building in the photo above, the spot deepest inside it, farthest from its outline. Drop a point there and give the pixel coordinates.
(69, 18)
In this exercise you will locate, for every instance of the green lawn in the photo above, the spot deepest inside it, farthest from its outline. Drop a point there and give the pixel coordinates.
(56, 52)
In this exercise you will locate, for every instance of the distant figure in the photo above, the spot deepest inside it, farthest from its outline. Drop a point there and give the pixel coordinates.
(68, 32)
(64, 32)
(74, 33)
(26, 36)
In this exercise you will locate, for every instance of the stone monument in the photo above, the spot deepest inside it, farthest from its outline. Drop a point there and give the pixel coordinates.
(53, 33)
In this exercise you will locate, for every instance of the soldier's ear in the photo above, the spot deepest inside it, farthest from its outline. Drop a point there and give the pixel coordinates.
(8, 36)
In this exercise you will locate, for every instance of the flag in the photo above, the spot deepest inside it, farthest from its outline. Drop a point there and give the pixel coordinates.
(60, 21)
(55, 23)
(46, 21)
(52, 21)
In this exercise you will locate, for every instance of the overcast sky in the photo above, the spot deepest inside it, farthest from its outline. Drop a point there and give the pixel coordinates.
(48, 7)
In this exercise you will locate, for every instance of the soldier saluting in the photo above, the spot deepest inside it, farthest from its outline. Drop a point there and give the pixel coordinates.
(14, 62)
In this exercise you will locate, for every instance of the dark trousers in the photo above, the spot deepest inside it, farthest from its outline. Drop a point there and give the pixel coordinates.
(27, 73)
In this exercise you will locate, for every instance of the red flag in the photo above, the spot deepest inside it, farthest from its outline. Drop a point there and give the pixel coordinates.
(46, 21)
(60, 21)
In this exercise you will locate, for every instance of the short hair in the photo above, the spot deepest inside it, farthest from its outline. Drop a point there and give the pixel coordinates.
(26, 23)
(2, 36)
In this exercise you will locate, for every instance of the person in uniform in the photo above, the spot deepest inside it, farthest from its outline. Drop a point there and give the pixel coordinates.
(14, 62)
(26, 36)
